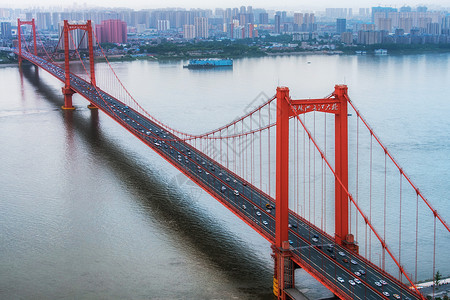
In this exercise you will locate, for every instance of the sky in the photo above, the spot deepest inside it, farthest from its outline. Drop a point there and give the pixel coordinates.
(280, 4)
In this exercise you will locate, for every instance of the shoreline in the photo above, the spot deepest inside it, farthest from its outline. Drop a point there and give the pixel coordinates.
(124, 58)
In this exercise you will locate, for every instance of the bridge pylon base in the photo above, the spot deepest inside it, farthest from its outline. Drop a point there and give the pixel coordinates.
(350, 243)
(68, 92)
(283, 271)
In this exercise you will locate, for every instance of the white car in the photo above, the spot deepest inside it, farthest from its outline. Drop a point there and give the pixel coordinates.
(236, 192)
(340, 279)
(351, 282)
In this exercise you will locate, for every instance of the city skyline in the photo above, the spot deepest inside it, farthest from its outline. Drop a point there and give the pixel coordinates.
(287, 4)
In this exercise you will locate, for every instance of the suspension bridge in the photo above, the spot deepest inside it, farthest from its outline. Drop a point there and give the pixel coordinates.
(330, 200)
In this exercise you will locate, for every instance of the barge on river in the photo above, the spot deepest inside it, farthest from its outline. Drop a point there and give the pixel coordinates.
(208, 63)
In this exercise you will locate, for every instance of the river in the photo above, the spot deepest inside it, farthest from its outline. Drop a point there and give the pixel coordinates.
(87, 211)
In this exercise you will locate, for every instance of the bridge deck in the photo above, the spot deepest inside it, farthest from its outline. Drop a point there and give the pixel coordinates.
(312, 249)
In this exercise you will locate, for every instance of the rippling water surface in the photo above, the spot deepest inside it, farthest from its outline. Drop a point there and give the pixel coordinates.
(87, 211)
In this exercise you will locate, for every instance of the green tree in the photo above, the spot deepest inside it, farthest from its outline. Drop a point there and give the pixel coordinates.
(437, 278)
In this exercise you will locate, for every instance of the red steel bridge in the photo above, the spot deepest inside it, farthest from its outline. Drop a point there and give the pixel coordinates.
(322, 189)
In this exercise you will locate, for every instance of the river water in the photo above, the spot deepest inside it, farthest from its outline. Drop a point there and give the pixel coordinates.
(88, 211)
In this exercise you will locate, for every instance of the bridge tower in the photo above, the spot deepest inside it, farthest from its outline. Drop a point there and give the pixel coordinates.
(67, 89)
(19, 37)
(286, 108)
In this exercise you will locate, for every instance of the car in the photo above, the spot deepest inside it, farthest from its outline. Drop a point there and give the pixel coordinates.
(199, 170)
(345, 260)
(386, 294)
(362, 272)
(357, 281)
(236, 192)
(258, 213)
(383, 282)
(292, 225)
(341, 253)
(396, 296)
(223, 189)
(291, 242)
(351, 282)
(315, 240)
(269, 206)
(377, 283)
(357, 273)
(354, 262)
(228, 179)
(243, 206)
(220, 174)
(244, 184)
(265, 223)
(234, 180)
(340, 279)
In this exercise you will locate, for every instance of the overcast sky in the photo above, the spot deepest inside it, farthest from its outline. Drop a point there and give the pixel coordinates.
(280, 4)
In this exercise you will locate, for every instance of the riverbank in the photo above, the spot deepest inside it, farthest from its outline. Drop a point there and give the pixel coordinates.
(346, 51)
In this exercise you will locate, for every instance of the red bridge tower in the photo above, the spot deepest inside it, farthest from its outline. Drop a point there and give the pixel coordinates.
(286, 108)
(67, 89)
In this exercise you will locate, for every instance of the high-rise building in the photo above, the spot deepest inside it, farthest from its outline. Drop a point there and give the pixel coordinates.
(385, 24)
(433, 28)
(283, 16)
(264, 18)
(341, 25)
(405, 9)
(111, 31)
(43, 20)
(201, 27)
(383, 10)
(406, 24)
(422, 8)
(277, 28)
(163, 25)
(6, 30)
(298, 19)
(189, 32)
(347, 38)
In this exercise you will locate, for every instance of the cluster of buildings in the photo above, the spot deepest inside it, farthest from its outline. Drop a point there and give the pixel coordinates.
(399, 26)
(376, 25)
